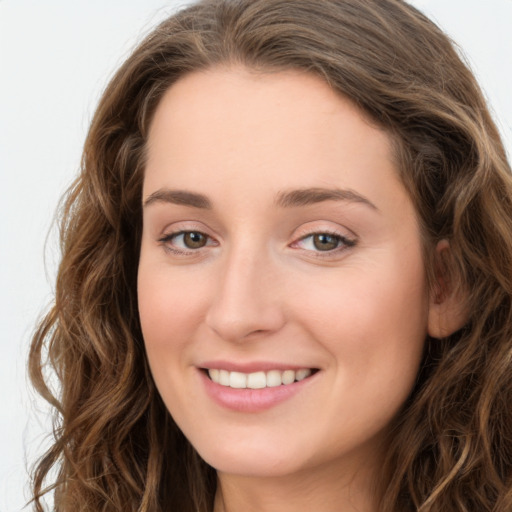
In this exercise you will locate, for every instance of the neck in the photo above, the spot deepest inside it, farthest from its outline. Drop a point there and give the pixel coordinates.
(327, 489)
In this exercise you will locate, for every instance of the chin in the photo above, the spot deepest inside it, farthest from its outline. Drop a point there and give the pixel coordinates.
(256, 462)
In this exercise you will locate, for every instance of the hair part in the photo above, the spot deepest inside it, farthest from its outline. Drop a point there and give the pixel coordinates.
(116, 446)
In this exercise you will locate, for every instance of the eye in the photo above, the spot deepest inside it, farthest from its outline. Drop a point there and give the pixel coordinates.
(192, 239)
(184, 241)
(324, 242)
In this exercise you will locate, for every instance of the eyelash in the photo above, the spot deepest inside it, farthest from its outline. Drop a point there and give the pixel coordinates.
(168, 238)
(343, 243)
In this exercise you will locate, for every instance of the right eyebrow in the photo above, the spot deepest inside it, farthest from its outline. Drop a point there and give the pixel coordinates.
(179, 197)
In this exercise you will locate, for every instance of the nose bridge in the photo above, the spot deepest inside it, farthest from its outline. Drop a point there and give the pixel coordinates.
(246, 298)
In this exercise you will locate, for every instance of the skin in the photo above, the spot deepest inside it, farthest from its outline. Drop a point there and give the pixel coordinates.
(260, 290)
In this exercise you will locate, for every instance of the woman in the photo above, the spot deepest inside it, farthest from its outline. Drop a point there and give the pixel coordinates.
(286, 273)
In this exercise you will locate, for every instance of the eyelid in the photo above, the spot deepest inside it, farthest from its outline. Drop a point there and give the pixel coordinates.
(174, 234)
(347, 241)
(181, 229)
(185, 226)
(323, 225)
(346, 237)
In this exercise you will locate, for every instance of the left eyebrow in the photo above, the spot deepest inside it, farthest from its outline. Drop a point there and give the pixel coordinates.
(309, 196)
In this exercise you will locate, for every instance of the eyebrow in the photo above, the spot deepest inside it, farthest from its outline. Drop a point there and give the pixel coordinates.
(287, 199)
(179, 197)
(309, 196)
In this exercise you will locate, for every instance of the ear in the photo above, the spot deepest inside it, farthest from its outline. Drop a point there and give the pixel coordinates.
(447, 304)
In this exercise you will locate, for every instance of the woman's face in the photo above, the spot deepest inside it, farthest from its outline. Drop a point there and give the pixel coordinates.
(281, 285)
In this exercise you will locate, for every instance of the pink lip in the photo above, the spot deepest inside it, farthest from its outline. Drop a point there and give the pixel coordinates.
(251, 400)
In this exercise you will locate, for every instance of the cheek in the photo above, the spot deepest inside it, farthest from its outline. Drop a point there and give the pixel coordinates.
(374, 329)
(169, 312)
(372, 319)
(365, 303)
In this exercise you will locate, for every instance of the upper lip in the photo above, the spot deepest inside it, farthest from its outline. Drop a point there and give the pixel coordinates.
(251, 367)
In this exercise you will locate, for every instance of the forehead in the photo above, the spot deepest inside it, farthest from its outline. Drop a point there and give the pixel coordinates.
(245, 131)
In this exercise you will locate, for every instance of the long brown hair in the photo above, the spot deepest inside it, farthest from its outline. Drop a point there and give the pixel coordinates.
(116, 447)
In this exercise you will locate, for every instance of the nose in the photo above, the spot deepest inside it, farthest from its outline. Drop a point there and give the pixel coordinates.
(247, 301)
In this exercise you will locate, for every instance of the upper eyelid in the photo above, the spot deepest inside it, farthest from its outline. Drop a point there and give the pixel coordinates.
(344, 233)
(332, 232)
(172, 234)
(166, 241)
(176, 228)
(348, 241)
(299, 234)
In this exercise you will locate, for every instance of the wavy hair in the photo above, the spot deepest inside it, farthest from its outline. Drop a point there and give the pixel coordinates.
(115, 445)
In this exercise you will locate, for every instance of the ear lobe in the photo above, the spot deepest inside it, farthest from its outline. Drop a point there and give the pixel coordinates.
(447, 305)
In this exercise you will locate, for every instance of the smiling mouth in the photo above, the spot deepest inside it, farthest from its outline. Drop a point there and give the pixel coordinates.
(258, 380)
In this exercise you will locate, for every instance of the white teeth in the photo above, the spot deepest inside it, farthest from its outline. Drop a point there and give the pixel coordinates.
(258, 380)
(237, 380)
(223, 377)
(302, 374)
(288, 377)
(274, 378)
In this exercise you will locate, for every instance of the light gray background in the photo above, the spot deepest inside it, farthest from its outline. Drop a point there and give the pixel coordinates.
(55, 58)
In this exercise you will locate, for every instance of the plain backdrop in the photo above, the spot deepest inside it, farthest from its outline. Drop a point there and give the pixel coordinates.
(55, 59)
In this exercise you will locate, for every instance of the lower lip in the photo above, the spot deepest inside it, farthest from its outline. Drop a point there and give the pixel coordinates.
(252, 400)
